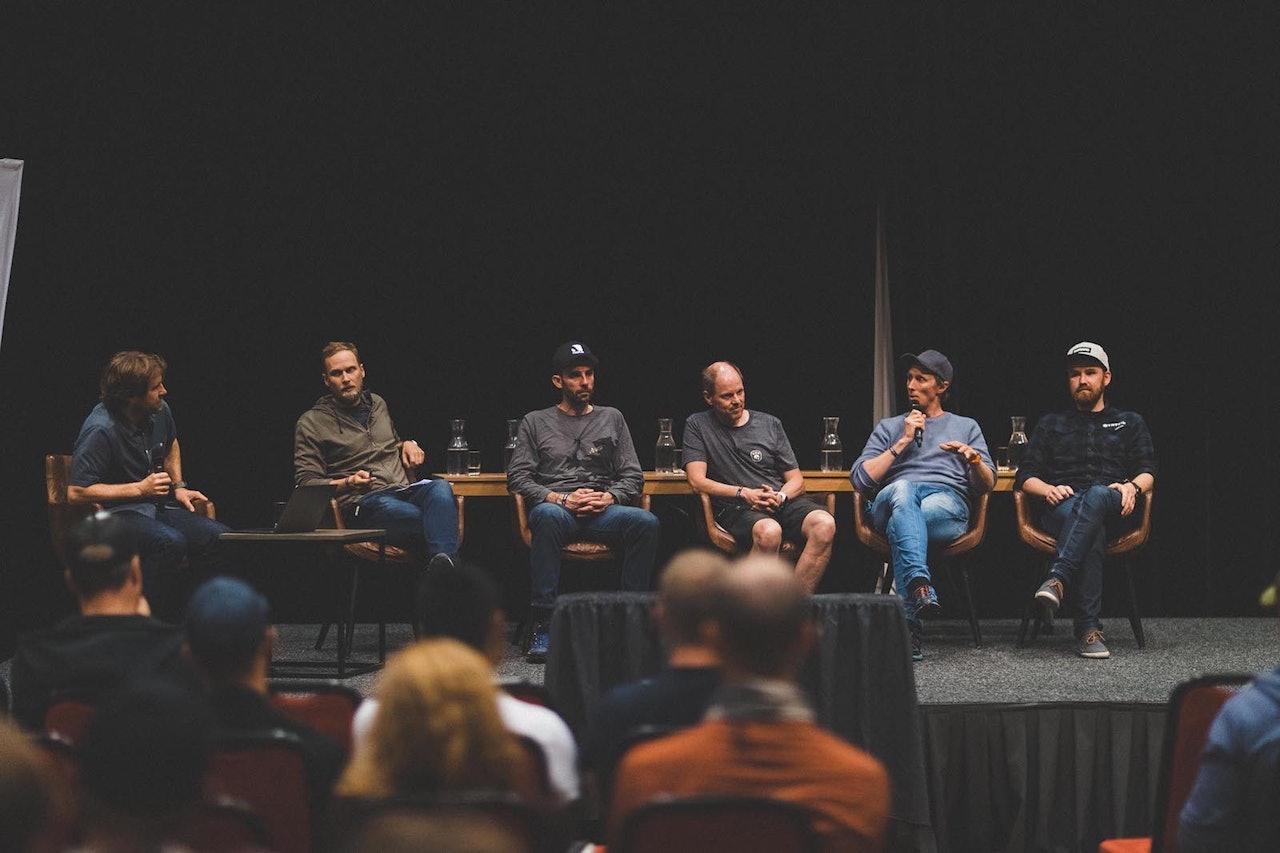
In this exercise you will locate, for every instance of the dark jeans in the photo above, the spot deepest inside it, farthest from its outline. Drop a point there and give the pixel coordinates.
(553, 526)
(163, 542)
(422, 514)
(1081, 524)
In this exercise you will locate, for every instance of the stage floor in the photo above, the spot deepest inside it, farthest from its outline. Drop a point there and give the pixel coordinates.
(953, 671)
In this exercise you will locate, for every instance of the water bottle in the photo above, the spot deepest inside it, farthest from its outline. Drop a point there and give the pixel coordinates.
(455, 455)
(664, 454)
(513, 430)
(1017, 441)
(832, 451)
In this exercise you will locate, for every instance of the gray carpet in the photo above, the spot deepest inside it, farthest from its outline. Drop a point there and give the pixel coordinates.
(953, 671)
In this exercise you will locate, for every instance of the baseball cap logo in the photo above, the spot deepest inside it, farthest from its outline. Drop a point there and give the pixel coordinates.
(575, 349)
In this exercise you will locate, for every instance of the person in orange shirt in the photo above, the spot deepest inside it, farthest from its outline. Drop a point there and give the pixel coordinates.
(759, 738)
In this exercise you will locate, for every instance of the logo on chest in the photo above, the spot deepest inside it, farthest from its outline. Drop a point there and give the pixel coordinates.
(757, 456)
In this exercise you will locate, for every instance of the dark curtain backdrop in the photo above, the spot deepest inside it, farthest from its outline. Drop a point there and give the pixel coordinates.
(459, 191)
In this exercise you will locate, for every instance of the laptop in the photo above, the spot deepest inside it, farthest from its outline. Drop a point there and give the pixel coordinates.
(305, 509)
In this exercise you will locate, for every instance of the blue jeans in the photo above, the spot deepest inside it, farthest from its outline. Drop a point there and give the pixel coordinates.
(1080, 525)
(553, 526)
(175, 533)
(913, 516)
(423, 514)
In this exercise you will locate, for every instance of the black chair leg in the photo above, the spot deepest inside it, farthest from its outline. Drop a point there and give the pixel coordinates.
(324, 632)
(1135, 620)
(973, 613)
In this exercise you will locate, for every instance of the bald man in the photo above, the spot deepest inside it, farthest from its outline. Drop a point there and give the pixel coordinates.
(743, 460)
(759, 738)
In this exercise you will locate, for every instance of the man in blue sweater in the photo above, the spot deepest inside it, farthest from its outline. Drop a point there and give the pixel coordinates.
(919, 471)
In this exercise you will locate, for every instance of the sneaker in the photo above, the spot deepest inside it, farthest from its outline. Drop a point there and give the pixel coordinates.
(1049, 595)
(917, 642)
(1092, 646)
(538, 643)
(440, 561)
(926, 601)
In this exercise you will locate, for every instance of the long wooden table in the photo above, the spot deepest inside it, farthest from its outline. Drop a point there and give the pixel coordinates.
(495, 485)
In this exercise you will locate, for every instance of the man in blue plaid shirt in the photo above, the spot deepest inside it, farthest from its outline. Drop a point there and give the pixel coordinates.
(1089, 464)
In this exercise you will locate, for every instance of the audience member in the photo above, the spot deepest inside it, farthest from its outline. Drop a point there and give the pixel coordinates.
(1089, 465)
(35, 804)
(1232, 805)
(127, 458)
(744, 461)
(437, 730)
(758, 737)
(679, 695)
(111, 640)
(348, 440)
(229, 643)
(919, 472)
(144, 761)
(461, 602)
(577, 469)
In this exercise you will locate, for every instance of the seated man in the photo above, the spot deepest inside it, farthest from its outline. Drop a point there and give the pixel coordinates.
(920, 471)
(744, 461)
(1088, 464)
(679, 695)
(229, 643)
(1232, 805)
(127, 459)
(348, 440)
(460, 602)
(758, 738)
(112, 640)
(577, 470)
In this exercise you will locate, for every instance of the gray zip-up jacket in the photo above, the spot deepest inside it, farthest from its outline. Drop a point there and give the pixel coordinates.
(329, 442)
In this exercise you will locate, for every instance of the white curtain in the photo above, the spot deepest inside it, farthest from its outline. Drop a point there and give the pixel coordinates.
(882, 394)
(10, 190)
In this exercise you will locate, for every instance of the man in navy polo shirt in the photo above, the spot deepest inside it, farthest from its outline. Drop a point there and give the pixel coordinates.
(127, 459)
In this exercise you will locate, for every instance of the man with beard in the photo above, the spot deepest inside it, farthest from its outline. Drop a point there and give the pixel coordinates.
(348, 440)
(575, 466)
(744, 461)
(1089, 465)
(920, 471)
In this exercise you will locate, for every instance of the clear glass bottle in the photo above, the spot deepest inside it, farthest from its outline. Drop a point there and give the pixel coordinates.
(832, 451)
(1017, 441)
(455, 455)
(664, 453)
(513, 429)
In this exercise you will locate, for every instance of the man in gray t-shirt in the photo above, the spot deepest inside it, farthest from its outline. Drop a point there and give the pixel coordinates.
(743, 460)
(577, 470)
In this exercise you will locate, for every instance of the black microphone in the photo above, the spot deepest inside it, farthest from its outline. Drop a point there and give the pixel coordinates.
(156, 454)
(915, 407)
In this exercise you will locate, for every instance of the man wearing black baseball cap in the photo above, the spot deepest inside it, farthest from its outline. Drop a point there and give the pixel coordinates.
(920, 471)
(1089, 465)
(577, 469)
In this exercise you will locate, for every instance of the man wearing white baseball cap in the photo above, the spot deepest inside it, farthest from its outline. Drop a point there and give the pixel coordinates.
(1089, 464)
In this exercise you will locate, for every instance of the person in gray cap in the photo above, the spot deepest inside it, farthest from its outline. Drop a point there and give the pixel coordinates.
(920, 471)
(577, 469)
(1089, 464)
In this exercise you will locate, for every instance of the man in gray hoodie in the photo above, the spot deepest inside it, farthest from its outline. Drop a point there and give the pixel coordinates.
(348, 440)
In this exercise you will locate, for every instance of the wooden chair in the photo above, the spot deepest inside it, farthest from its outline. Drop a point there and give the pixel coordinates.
(63, 513)
(370, 552)
(62, 758)
(267, 770)
(224, 825)
(942, 554)
(1124, 546)
(328, 706)
(722, 539)
(581, 551)
(1193, 705)
(699, 824)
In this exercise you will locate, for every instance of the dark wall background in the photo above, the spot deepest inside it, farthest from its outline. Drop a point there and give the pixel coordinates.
(461, 191)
